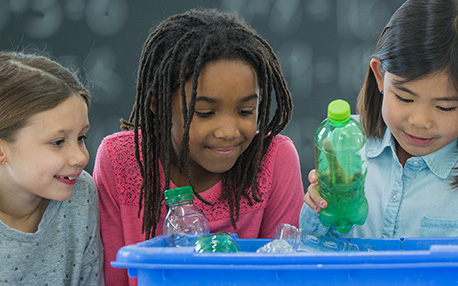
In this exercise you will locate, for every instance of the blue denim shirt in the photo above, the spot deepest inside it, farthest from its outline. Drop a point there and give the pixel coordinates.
(411, 201)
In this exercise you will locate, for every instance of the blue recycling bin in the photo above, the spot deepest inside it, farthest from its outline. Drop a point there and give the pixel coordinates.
(409, 261)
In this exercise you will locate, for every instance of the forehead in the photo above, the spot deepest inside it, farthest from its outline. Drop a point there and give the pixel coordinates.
(436, 84)
(225, 67)
(225, 78)
(69, 114)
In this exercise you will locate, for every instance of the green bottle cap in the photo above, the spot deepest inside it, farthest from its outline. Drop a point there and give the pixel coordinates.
(338, 111)
(178, 195)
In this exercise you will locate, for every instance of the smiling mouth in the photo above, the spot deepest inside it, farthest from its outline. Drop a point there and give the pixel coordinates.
(223, 151)
(67, 178)
(417, 140)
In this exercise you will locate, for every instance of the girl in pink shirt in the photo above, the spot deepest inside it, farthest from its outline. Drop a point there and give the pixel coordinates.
(201, 118)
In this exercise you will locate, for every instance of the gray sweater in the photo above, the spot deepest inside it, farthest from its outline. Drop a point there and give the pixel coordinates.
(65, 250)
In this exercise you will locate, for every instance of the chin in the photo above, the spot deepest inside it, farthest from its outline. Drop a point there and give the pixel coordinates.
(220, 169)
(64, 196)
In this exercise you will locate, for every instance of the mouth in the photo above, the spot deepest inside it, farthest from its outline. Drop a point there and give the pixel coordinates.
(222, 151)
(419, 141)
(69, 180)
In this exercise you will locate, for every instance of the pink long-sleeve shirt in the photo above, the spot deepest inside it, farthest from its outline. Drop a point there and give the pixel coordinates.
(118, 180)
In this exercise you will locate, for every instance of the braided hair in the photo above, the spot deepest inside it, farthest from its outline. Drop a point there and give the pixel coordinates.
(174, 53)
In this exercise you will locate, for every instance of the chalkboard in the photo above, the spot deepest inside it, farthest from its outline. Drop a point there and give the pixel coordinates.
(323, 47)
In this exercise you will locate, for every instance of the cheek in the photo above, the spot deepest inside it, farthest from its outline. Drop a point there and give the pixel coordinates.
(86, 152)
(450, 127)
(388, 112)
(252, 132)
(203, 130)
(39, 173)
(251, 127)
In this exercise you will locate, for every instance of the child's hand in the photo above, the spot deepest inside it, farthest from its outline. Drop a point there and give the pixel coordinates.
(312, 197)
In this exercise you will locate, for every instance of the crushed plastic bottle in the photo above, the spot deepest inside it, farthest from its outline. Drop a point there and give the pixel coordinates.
(288, 238)
(276, 246)
(219, 242)
(184, 223)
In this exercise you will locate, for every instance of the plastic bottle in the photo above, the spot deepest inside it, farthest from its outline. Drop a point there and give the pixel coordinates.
(184, 223)
(219, 242)
(310, 241)
(340, 157)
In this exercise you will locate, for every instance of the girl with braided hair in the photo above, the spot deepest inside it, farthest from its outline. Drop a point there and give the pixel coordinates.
(202, 117)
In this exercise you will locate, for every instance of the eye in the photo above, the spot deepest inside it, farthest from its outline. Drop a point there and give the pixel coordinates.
(402, 99)
(247, 112)
(57, 143)
(204, 114)
(82, 138)
(446, 109)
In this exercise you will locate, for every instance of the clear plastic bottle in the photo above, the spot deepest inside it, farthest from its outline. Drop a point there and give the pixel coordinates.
(218, 242)
(288, 238)
(340, 156)
(310, 241)
(184, 223)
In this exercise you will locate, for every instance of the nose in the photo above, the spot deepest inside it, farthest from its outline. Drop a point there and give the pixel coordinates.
(78, 156)
(420, 119)
(227, 128)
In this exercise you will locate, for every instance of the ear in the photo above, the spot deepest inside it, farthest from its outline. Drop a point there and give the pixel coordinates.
(2, 151)
(376, 67)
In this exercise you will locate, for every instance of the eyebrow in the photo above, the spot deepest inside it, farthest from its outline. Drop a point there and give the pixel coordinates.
(211, 100)
(65, 131)
(405, 89)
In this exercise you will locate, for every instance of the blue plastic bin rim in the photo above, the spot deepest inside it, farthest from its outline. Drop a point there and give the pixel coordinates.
(397, 251)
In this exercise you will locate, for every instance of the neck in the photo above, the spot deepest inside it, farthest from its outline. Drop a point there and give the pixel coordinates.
(22, 216)
(402, 154)
(203, 180)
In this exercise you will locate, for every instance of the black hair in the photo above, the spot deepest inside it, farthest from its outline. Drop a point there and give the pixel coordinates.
(421, 38)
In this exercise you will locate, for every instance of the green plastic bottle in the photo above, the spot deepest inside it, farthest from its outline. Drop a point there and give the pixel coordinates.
(340, 157)
(218, 242)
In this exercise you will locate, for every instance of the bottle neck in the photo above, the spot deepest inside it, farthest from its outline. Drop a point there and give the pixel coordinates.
(180, 203)
(339, 124)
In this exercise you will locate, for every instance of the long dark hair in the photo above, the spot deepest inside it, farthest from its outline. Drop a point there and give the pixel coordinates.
(421, 38)
(175, 52)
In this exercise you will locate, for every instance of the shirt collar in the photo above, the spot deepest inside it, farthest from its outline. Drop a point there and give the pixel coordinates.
(440, 162)
(376, 146)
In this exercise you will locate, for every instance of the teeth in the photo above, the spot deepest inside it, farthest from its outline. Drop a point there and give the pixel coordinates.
(69, 178)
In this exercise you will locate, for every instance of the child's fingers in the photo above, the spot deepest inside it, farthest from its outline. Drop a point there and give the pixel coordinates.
(308, 200)
(312, 177)
(313, 199)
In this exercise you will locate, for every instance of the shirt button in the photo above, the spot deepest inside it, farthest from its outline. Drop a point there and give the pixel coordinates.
(394, 198)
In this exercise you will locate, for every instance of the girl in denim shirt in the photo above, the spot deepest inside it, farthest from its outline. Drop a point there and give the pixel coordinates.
(409, 109)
